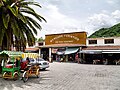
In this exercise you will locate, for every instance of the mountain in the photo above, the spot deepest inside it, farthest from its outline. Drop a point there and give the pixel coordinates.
(113, 31)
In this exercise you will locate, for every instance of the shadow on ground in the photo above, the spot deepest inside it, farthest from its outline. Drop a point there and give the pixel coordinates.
(10, 84)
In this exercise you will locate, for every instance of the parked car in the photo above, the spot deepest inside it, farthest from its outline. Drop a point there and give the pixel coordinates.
(43, 64)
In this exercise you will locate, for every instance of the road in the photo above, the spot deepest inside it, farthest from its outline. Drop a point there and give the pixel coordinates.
(70, 76)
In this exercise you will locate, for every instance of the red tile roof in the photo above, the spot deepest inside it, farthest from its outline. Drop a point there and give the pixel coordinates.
(102, 48)
(62, 45)
(31, 49)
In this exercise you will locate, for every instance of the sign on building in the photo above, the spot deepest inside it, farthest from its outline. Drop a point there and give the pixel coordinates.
(66, 38)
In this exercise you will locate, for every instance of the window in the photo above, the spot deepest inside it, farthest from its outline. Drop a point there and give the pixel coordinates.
(109, 41)
(92, 41)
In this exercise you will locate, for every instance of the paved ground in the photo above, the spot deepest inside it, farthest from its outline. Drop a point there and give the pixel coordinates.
(70, 76)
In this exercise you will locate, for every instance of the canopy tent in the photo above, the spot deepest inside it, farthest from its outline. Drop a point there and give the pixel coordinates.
(71, 50)
(11, 53)
(91, 51)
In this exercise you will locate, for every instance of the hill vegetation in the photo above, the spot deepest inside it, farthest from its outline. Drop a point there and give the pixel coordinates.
(113, 31)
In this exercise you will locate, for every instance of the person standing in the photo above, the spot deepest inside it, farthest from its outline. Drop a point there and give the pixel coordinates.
(77, 58)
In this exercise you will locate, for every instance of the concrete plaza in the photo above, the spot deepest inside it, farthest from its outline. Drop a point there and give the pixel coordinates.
(70, 76)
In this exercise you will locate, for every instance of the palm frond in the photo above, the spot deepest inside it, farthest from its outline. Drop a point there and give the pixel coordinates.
(13, 10)
(30, 3)
(32, 27)
(35, 23)
(37, 16)
(22, 17)
(6, 19)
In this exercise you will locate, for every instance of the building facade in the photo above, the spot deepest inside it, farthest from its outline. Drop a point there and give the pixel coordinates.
(105, 41)
(66, 45)
(62, 46)
(102, 49)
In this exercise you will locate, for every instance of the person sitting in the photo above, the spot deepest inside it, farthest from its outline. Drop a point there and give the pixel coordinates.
(24, 65)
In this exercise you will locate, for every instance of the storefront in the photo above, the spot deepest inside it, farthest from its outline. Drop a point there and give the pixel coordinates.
(101, 53)
(63, 46)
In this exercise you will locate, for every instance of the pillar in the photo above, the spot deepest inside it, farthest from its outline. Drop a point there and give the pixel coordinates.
(40, 53)
(50, 50)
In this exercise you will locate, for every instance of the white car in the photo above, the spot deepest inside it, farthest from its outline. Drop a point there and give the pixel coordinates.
(43, 64)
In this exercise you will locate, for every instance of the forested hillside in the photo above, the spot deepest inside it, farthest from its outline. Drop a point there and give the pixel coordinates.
(113, 31)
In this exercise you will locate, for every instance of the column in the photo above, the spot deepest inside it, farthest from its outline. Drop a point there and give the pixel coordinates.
(40, 52)
(50, 54)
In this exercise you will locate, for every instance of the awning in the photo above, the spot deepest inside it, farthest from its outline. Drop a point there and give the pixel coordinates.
(99, 51)
(60, 53)
(68, 51)
(71, 50)
(112, 52)
(91, 51)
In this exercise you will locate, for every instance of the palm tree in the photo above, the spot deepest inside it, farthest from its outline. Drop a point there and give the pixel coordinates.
(16, 26)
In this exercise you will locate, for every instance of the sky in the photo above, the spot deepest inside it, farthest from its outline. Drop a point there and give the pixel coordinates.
(64, 16)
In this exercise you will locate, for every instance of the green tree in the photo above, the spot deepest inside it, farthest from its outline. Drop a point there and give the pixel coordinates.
(17, 27)
(40, 39)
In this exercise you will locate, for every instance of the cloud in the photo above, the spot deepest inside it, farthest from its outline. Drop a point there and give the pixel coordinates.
(102, 20)
(114, 3)
(116, 15)
(63, 16)
(58, 22)
(111, 1)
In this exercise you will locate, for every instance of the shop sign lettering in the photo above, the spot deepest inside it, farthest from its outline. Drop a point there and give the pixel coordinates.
(64, 36)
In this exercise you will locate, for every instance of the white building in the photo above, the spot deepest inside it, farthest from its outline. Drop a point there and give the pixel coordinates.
(102, 48)
(104, 41)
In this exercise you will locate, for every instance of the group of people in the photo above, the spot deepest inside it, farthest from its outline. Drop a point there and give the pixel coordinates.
(70, 58)
(60, 59)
